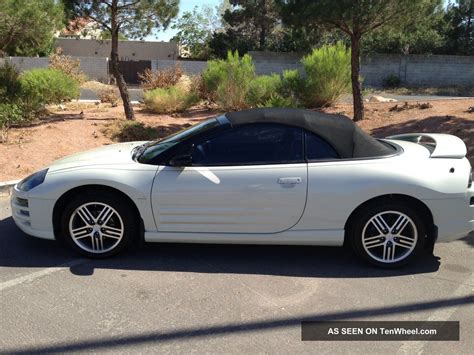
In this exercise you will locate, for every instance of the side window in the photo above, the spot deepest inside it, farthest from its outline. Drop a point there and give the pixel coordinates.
(251, 144)
(318, 149)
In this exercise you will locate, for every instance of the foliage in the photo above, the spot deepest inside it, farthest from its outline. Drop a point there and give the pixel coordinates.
(68, 65)
(262, 88)
(292, 85)
(27, 27)
(355, 19)
(328, 75)
(392, 81)
(109, 95)
(426, 35)
(134, 19)
(227, 81)
(10, 114)
(254, 20)
(277, 100)
(9, 83)
(40, 87)
(152, 79)
(460, 33)
(107, 35)
(173, 99)
(194, 31)
(129, 131)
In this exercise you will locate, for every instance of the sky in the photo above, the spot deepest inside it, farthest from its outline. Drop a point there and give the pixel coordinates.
(184, 5)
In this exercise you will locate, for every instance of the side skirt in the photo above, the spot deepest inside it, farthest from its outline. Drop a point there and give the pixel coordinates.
(327, 237)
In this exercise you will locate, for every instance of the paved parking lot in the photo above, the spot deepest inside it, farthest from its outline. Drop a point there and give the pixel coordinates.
(213, 298)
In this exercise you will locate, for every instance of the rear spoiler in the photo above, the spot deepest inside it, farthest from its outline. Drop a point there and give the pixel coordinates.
(443, 145)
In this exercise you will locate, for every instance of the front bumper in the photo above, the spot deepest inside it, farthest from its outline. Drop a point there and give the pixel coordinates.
(33, 216)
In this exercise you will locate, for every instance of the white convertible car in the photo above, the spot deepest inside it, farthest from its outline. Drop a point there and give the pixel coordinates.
(264, 176)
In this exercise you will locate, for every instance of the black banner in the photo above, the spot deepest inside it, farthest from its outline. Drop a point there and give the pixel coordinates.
(379, 330)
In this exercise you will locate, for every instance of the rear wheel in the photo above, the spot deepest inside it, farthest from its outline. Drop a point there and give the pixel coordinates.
(387, 234)
(98, 225)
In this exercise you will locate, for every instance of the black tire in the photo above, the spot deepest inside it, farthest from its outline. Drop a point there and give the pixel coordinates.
(127, 221)
(360, 224)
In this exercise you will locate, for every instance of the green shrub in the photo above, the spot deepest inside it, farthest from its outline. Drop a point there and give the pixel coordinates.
(328, 75)
(292, 85)
(176, 98)
(227, 82)
(262, 88)
(9, 83)
(392, 81)
(9, 114)
(129, 131)
(44, 86)
(276, 100)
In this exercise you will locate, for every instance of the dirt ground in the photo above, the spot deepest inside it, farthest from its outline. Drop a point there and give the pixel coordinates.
(78, 127)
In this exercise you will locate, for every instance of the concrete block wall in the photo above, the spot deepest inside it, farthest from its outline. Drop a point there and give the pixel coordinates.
(413, 70)
(439, 70)
(94, 68)
(196, 67)
(419, 70)
(189, 66)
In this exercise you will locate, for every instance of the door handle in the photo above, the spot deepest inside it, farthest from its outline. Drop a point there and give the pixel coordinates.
(289, 181)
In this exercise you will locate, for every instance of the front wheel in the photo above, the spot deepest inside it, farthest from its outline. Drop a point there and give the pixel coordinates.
(387, 234)
(98, 225)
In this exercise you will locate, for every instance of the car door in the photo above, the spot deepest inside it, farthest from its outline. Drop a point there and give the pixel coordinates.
(249, 179)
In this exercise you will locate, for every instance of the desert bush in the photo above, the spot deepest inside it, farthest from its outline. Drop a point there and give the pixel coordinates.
(108, 94)
(9, 83)
(392, 81)
(262, 88)
(328, 75)
(292, 84)
(129, 131)
(277, 100)
(197, 85)
(10, 114)
(40, 87)
(176, 98)
(152, 79)
(226, 82)
(67, 65)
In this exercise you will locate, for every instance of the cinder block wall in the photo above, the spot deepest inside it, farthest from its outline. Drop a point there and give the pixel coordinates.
(196, 67)
(419, 70)
(413, 70)
(94, 68)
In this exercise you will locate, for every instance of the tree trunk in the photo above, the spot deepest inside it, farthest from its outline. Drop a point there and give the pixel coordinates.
(121, 84)
(263, 30)
(355, 71)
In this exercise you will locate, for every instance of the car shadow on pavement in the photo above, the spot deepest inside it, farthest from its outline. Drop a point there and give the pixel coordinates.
(19, 250)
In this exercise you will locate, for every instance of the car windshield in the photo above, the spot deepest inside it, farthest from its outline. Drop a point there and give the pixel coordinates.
(155, 148)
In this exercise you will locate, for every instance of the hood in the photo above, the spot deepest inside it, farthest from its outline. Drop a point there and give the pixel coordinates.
(114, 154)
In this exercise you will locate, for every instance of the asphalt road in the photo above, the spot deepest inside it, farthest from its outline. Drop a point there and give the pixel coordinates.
(226, 299)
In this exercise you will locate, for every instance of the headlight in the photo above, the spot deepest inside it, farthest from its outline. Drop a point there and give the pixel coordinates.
(32, 181)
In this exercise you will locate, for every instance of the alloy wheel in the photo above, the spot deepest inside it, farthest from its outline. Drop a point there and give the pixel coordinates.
(96, 227)
(389, 237)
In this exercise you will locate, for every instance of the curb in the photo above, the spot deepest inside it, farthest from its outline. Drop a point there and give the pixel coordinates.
(5, 187)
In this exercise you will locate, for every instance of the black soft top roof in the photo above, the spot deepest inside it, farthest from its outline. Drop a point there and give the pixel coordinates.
(338, 130)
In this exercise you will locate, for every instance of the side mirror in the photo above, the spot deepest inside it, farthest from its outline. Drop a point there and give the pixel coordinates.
(182, 160)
